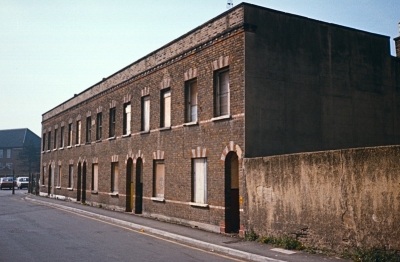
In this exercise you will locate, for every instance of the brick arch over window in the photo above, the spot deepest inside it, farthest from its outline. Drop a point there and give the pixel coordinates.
(232, 147)
(81, 160)
(52, 164)
(199, 152)
(134, 157)
(158, 155)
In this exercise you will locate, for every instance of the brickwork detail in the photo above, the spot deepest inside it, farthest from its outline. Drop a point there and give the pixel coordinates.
(99, 109)
(95, 160)
(114, 158)
(89, 113)
(137, 156)
(78, 118)
(220, 63)
(113, 104)
(199, 152)
(158, 155)
(146, 91)
(165, 83)
(127, 98)
(190, 74)
(232, 147)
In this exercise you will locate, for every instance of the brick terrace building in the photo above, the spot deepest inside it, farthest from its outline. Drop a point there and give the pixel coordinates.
(166, 135)
(11, 143)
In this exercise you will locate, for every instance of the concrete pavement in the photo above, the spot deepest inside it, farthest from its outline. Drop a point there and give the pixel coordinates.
(220, 243)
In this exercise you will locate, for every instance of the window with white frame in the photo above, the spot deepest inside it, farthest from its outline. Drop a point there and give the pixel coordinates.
(78, 132)
(95, 177)
(145, 113)
(199, 180)
(70, 134)
(191, 101)
(112, 122)
(159, 179)
(71, 176)
(88, 129)
(165, 107)
(55, 138)
(99, 126)
(114, 177)
(8, 153)
(127, 119)
(222, 94)
(62, 137)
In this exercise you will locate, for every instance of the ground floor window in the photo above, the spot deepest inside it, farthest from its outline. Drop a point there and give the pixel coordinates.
(95, 177)
(59, 177)
(159, 179)
(199, 180)
(114, 177)
(70, 176)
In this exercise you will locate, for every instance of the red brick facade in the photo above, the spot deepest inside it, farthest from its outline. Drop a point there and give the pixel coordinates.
(197, 55)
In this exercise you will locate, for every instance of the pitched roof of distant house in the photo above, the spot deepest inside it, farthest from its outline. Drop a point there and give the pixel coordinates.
(16, 138)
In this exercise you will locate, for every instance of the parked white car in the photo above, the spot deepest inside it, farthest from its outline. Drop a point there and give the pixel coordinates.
(22, 182)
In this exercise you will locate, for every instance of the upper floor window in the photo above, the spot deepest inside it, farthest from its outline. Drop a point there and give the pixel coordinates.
(8, 153)
(221, 89)
(165, 108)
(88, 129)
(49, 141)
(99, 124)
(112, 122)
(78, 132)
(62, 137)
(55, 138)
(44, 142)
(127, 119)
(145, 113)
(70, 134)
(191, 101)
(1, 153)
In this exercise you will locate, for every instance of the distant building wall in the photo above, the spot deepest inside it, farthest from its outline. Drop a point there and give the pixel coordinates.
(332, 199)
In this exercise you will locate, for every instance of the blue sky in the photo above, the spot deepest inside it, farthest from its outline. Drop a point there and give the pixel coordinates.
(51, 49)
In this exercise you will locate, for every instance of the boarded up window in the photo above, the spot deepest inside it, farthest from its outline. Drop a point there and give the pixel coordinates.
(95, 177)
(114, 177)
(146, 113)
(200, 180)
(159, 179)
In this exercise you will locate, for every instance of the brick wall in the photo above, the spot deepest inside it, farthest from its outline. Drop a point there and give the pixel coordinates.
(176, 142)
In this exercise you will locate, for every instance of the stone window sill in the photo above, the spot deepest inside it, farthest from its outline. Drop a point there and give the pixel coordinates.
(144, 132)
(164, 128)
(221, 118)
(158, 199)
(198, 204)
(191, 123)
(126, 135)
(70, 188)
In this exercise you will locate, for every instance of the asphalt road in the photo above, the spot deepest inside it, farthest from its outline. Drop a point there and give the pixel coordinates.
(31, 232)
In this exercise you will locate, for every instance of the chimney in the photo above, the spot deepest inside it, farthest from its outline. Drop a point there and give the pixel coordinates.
(397, 43)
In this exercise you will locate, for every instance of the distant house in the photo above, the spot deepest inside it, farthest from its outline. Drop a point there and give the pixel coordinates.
(12, 142)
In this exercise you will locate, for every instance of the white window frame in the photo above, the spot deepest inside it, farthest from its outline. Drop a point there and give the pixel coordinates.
(146, 113)
(165, 108)
(199, 176)
(78, 132)
(127, 119)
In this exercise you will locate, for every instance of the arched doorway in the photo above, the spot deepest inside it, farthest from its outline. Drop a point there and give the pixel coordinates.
(232, 215)
(139, 187)
(49, 181)
(84, 183)
(129, 186)
(79, 184)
